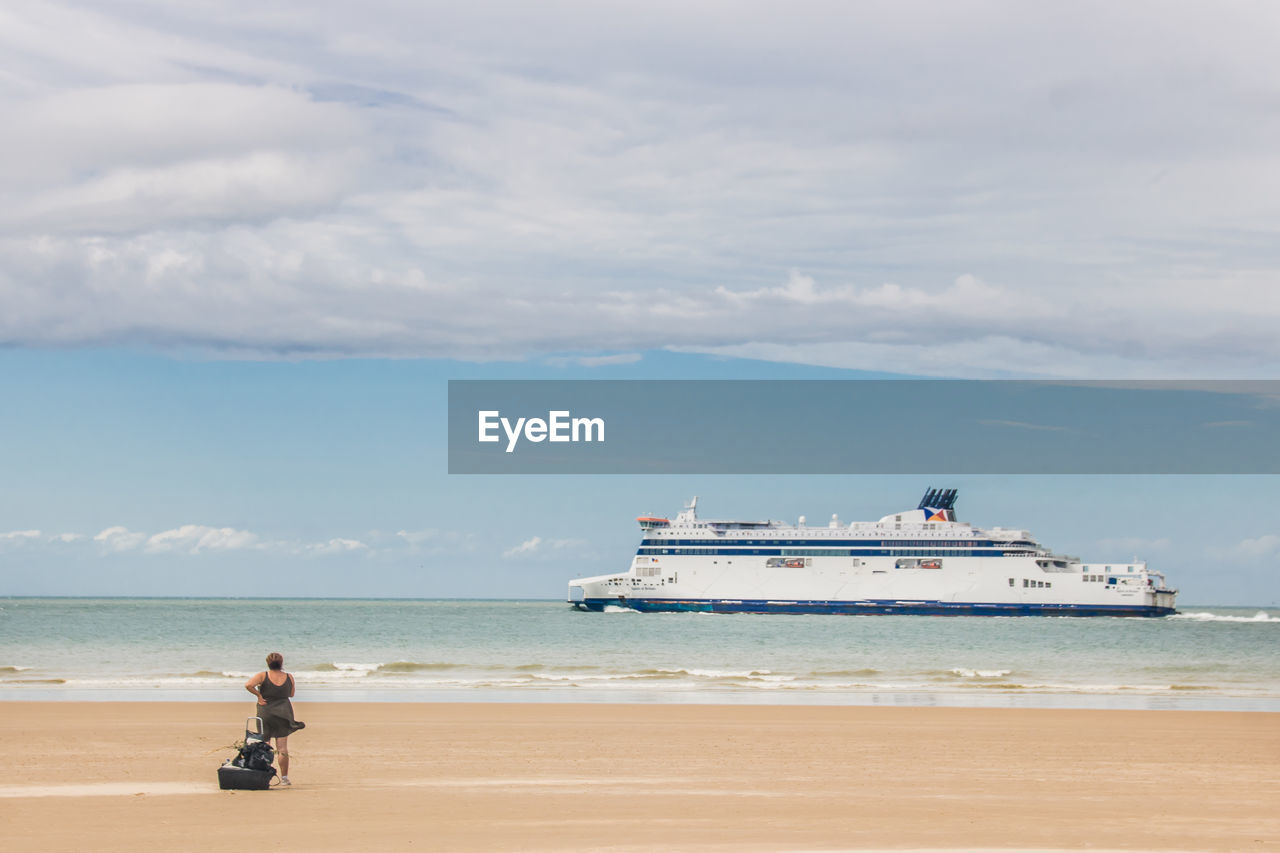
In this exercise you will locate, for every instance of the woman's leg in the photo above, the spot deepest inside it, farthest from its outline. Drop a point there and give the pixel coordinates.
(282, 751)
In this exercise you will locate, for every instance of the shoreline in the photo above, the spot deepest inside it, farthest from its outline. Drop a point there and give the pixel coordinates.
(562, 776)
(1191, 702)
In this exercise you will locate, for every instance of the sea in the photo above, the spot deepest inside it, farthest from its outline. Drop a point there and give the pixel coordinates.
(1205, 658)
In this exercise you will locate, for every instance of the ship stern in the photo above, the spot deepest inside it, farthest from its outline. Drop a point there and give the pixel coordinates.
(594, 592)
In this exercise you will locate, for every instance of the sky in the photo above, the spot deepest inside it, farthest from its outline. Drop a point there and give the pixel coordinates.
(244, 246)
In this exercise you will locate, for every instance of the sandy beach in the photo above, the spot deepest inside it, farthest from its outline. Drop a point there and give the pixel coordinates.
(131, 776)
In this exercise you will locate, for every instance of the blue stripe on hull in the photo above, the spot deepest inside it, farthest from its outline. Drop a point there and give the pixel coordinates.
(923, 608)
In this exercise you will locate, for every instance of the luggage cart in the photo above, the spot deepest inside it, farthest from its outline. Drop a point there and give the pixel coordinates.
(251, 770)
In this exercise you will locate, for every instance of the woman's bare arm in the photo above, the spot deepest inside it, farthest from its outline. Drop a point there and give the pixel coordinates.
(252, 686)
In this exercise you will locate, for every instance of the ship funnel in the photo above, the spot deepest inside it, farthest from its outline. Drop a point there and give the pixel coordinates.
(939, 499)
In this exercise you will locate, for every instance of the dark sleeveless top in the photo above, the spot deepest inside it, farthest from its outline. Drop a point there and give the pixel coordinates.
(277, 714)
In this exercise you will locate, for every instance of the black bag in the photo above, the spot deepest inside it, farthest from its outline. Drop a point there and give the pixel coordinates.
(255, 755)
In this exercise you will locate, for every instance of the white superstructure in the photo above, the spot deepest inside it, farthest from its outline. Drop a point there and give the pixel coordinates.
(918, 561)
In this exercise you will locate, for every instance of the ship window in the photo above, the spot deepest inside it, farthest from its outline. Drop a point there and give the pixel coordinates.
(1010, 581)
(1048, 584)
(1025, 583)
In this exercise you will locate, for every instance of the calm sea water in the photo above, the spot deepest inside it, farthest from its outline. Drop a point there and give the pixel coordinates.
(397, 650)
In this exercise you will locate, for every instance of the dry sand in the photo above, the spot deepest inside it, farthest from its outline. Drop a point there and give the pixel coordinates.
(142, 776)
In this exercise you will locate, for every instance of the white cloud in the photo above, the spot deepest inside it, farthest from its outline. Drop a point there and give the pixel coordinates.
(607, 360)
(135, 158)
(1258, 548)
(417, 537)
(337, 546)
(194, 538)
(400, 182)
(528, 546)
(595, 360)
(429, 540)
(538, 545)
(967, 295)
(116, 539)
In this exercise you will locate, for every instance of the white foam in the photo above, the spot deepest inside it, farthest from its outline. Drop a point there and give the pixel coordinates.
(1260, 616)
(614, 608)
(144, 681)
(339, 671)
(980, 673)
(749, 674)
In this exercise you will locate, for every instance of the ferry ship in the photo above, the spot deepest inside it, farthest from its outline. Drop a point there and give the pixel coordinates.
(921, 561)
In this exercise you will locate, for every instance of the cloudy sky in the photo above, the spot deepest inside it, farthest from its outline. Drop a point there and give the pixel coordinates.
(224, 225)
(968, 188)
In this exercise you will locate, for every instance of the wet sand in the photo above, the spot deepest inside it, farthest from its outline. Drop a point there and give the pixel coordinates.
(142, 776)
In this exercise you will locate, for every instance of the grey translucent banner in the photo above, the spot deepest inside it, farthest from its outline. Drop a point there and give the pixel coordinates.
(863, 427)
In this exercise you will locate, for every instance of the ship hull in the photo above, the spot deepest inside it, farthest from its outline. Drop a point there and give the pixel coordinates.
(869, 608)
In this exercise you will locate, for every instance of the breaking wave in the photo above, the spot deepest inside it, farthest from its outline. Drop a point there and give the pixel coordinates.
(362, 668)
(207, 673)
(838, 673)
(38, 681)
(963, 672)
(413, 666)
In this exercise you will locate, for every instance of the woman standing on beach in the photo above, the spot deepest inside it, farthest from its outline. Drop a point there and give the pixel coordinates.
(274, 687)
